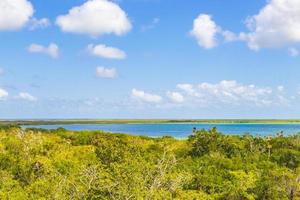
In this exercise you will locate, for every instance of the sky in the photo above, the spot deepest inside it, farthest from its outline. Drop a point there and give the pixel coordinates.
(140, 59)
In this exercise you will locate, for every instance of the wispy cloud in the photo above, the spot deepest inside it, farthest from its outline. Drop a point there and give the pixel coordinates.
(226, 92)
(104, 72)
(293, 52)
(39, 23)
(26, 96)
(52, 50)
(3, 94)
(151, 25)
(145, 97)
(280, 88)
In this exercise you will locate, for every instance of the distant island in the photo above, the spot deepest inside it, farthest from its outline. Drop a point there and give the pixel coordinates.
(148, 121)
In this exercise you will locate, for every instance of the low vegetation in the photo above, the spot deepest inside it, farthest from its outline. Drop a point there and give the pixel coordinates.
(150, 121)
(60, 164)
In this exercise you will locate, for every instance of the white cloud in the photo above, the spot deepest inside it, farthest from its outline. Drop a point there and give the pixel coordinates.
(3, 94)
(104, 51)
(175, 97)
(26, 96)
(280, 88)
(226, 93)
(229, 92)
(205, 31)
(152, 25)
(232, 91)
(103, 72)
(146, 97)
(276, 25)
(52, 50)
(293, 52)
(14, 14)
(39, 23)
(283, 100)
(95, 18)
(188, 88)
(232, 37)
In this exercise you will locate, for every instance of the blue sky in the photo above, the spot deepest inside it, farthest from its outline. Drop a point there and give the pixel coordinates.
(149, 59)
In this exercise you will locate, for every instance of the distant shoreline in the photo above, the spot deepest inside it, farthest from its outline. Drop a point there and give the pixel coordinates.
(149, 121)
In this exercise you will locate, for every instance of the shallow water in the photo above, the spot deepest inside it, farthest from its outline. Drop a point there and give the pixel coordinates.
(181, 130)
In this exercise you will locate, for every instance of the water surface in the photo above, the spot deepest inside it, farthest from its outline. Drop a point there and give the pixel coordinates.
(181, 130)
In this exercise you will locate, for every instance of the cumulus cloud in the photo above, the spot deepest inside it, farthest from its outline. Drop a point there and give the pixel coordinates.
(104, 51)
(145, 97)
(205, 31)
(276, 25)
(26, 96)
(103, 72)
(39, 23)
(14, 14)
(3, 94)
(95, 18)
(293, 52)
(52, 50)
(175, 97)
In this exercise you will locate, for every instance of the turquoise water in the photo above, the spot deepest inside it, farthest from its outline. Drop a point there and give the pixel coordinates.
(181, 130)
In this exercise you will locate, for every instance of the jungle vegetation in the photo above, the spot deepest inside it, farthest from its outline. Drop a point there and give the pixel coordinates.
(60, 164)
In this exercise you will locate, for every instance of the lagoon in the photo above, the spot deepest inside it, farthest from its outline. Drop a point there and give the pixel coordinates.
(180, 130)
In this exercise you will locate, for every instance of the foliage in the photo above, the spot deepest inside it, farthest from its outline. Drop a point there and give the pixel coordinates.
(60, 164)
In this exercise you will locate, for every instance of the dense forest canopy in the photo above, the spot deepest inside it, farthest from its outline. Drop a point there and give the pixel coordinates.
(61, 164)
